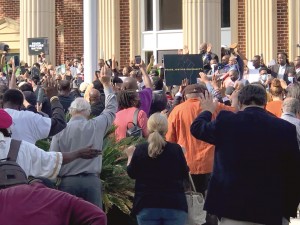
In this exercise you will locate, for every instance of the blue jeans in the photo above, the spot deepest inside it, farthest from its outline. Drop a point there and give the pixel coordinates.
(86, 186)
(158, 216)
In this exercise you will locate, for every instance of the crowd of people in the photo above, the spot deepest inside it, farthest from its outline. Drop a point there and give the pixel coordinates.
(236, 131)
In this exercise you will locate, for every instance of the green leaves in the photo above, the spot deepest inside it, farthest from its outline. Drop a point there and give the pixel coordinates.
(118, 188)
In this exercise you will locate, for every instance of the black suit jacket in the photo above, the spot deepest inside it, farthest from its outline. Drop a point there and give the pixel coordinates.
(275, 69)
(256, 166)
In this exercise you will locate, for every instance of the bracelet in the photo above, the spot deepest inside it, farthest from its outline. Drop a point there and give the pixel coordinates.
(54, 97)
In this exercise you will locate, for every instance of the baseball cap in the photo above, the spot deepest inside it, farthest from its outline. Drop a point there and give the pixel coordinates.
(5, 119)
(194, 88)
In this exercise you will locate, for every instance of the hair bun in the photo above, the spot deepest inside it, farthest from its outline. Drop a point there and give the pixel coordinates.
(276, 83)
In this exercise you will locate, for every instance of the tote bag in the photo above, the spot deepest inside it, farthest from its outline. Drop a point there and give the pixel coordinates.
(195, 201)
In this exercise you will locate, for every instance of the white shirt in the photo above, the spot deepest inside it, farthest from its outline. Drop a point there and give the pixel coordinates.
(253, 74)
(29, 126)
(281, 71)
(34, 161)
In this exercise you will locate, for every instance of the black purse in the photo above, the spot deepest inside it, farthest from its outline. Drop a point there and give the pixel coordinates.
(134, 130)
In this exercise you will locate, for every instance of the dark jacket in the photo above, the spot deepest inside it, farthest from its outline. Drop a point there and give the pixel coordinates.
(256, 166)
(275, 69)
(58, 122)
(159, 181)
(159, 101)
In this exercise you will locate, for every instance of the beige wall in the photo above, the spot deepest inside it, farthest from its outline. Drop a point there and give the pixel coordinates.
(201, 23)
(294, 28)
(10, 34)
(261, 28)
(109, 29)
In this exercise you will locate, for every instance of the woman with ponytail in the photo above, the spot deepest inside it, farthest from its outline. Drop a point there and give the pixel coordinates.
(277, 94)
(159, 168)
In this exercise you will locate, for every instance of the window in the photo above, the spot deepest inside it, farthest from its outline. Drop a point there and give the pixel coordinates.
(225, 13)
(170, 14)
(148, 15)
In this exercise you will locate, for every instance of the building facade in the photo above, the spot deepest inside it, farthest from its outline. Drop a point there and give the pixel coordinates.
(144, 27)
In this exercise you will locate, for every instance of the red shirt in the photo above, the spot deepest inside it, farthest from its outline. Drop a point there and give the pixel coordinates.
(36, 204)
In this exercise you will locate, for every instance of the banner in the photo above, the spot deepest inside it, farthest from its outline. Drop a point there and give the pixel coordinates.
(179, 67)
(38, 45)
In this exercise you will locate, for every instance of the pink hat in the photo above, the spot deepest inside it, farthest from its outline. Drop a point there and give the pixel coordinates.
(5, 119)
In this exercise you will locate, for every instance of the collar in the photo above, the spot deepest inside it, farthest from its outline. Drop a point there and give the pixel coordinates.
(254, 108)
(77, 118)
(280, 66)
(289, 114)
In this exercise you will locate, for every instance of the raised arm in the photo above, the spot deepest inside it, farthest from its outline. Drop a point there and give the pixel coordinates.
(146, 78)
(13, 80)
(111, 104)
(58, 122)
(203, 128)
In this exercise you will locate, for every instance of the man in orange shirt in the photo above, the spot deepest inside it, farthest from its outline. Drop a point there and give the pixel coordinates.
(199, 154)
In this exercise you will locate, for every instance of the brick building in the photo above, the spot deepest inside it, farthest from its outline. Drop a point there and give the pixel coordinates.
(144, 27)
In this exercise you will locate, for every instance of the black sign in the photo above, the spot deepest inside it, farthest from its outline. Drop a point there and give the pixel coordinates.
(38, 45)
(179, 67)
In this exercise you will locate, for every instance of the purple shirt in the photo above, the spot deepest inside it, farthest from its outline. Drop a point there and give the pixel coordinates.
(146, 100)
(37, 204)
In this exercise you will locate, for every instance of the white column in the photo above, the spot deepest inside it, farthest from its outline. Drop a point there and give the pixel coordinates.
(37, 19)
(90, 30)
(109, 29)
(135, 28)
(294, 28)
(234, 20)
(201, 23)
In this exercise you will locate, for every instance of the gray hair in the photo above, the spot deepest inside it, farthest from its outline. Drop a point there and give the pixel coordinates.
(291, 105)
(81, 106)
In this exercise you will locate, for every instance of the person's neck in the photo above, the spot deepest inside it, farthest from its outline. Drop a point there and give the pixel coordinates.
(276, 98)
(11, 106)
(282, 64)
(248, 106)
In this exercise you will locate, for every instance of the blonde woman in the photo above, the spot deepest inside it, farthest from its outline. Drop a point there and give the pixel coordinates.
(159, 168)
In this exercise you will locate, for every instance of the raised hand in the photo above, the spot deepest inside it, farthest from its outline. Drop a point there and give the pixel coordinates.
(207, 103)
(184, 83)
(50, 87)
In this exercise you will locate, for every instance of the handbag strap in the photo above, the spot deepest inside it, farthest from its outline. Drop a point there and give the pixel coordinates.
(13, 150)
(192, 183)
(135, 116)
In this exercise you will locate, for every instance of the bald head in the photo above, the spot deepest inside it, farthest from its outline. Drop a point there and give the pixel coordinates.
(225, 59)
(129, 83)
(94, 96)
(203, 47)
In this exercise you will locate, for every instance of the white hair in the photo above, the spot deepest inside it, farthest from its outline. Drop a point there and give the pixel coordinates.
(291, 105)
(81, 106)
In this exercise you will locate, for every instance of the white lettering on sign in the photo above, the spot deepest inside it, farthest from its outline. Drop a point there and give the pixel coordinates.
(36, 46)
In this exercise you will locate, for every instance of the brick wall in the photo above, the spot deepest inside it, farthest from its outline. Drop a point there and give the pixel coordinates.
(124, 33)
(242, 26)
(72, 18)
(10, 8)
(283, 26)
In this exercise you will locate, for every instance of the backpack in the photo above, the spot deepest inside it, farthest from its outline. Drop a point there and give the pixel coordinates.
(135, 130)
(10, 171)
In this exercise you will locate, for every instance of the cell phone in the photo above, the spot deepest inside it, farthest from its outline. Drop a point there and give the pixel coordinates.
(17, 60)
(40, 96)
(138, 59)
(108, 63)
(261, 56)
